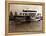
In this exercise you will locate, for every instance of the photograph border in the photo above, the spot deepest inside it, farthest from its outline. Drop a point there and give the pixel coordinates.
(7, 7)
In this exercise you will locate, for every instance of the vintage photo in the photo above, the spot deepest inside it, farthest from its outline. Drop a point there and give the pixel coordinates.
(23, 17)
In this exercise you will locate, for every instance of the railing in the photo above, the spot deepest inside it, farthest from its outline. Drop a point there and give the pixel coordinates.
(25, 13)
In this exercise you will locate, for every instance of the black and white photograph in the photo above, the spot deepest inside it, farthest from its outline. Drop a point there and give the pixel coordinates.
(25, 17)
